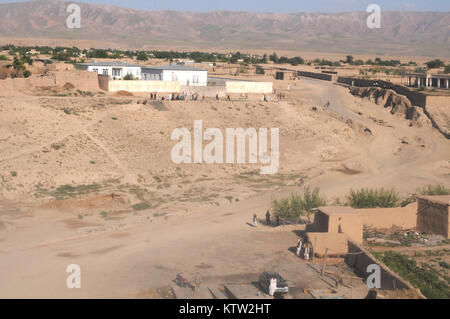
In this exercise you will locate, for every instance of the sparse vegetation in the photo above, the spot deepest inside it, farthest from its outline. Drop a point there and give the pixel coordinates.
(428, 190)
(57, 146)
(372, 198)
(432, 190)
(294, 207)
(426, 280)
(141, 206)
(259, 70)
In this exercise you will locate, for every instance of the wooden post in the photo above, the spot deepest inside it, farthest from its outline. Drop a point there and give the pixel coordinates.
(324, 262)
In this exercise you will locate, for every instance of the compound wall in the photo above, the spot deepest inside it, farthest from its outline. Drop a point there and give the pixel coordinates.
(249, 87)
(385, 218)
(144, 86)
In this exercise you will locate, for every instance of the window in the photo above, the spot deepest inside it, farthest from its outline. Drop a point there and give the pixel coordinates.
(105, 71)
(195, 79)
(95, 70)
(117, 72)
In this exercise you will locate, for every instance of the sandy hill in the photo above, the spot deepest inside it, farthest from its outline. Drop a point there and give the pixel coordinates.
(405, 33)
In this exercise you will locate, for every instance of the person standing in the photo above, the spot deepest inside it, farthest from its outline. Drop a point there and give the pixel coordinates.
(306, 252)
(273, 286)
(299, 247)
(268, 218)
(255, 220)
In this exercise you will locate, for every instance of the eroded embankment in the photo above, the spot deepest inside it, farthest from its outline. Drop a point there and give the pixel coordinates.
(401, 105)
(398, 104)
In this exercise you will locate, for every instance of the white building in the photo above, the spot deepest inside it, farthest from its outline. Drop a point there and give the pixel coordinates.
(176, 72)
(186, 75)
(116, 70)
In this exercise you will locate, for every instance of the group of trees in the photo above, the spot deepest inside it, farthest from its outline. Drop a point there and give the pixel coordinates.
(285, 60)
(378, 61)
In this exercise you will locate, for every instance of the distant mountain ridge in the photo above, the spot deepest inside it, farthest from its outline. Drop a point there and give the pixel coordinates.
(405, 33)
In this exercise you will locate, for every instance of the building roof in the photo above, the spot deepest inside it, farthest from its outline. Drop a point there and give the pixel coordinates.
(173, 67)
(441, 199)
(114, 64)
(338, 210)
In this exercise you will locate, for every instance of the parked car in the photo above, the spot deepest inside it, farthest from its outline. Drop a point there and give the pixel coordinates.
(264, 282)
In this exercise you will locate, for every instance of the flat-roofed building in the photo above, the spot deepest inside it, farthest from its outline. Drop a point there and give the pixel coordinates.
(115, 70)
(440, 81)
(186, 75)
(339, 219)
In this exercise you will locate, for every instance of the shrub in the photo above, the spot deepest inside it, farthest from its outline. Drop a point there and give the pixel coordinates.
(431, 190)
(141, 206)
(128, 77)
(371, 198)
(259, 70)
(294, 207)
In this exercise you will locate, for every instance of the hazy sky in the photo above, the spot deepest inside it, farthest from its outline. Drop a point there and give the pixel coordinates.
(277, 5)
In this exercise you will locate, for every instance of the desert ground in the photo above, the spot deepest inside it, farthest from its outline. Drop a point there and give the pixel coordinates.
(88, 180)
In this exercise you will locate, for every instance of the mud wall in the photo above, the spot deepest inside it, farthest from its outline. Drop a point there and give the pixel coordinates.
(249, 87)
(144, 86)
(385, 218)
(433, 216)
(433, 100)
(82, 80)
(208, 91)
(319, 76)
(337, 244)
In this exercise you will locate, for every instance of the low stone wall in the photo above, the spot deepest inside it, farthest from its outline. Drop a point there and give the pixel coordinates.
(242, 87)
(144, 86)
(385, 218)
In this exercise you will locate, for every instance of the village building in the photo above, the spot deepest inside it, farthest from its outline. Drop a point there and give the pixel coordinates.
(116, 70)
(186, 75)
(440, 81)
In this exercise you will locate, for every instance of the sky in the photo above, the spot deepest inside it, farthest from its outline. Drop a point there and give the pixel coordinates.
(280, 6)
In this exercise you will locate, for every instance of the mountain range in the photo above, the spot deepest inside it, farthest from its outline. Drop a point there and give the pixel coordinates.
(401, 33)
